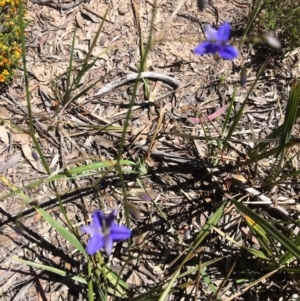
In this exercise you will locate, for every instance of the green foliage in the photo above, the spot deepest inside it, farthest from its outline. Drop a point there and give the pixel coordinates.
(283, 18)
(10, 39)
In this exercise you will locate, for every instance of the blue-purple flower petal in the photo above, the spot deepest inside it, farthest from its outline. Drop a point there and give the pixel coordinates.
(97, 217)
(211, 33)
(223, 33)
(205, 48)
(110, 218)
(216, 43)
(108, 244)
(104, 231)
(119, 232)
(92, 230)
(228, 52)
(95, 243)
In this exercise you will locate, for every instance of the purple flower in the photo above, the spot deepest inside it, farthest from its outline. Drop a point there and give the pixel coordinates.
(104, 231)
(217, 42)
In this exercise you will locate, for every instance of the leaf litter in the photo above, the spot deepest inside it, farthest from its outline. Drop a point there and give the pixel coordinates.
(180, 179)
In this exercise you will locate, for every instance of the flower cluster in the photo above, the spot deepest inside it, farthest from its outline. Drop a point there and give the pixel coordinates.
(10, 36)
(104, 231)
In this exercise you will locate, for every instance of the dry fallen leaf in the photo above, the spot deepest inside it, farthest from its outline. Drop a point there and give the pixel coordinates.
(79, 20)
(27, 151)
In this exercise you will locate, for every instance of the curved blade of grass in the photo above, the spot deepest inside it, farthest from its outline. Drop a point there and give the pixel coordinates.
(251, 20)
(96, 37)
(257, 253)
(69, 174)
(287, 256)
(287, 176)
(291, 113)
(81, 169)
(254, 252)
(90, 281)
(294, 270)
(62, 231)
(51, 269)
(268, 228)
(259, 233)
(257, 157)
(112, 277)
(208, 281)
(30, 116)
(116, 282)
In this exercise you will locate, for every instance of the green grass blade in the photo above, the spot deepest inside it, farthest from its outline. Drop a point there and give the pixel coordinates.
(51, 269)
(90, 281)
(71, 238)
(287, 256)
(208, 281)
(87, 58)
(68, 174)
(250, 22)
(291, 113)
(30, 116)
(268, 228)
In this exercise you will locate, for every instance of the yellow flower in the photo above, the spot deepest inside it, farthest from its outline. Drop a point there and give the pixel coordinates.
(2, 3)
(17, 54)
(2, 78)
(5, 73)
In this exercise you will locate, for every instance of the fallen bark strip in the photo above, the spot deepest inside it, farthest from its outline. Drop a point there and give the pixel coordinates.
(173, 82)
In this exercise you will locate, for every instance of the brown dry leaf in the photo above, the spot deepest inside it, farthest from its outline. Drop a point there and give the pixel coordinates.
(37, 217)
(21, 138)
(7, 239)
(91, 16)
(27, 151)
(240, 178)
(79, 20)
(10, 162)
(40, 73)
(104, 142)
(134, 279)
(96, 51)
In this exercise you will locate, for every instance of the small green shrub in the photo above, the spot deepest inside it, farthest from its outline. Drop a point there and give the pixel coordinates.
(10, 37)
(282, 18)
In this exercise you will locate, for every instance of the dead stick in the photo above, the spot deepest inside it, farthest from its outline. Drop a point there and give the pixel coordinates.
(173, 82)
